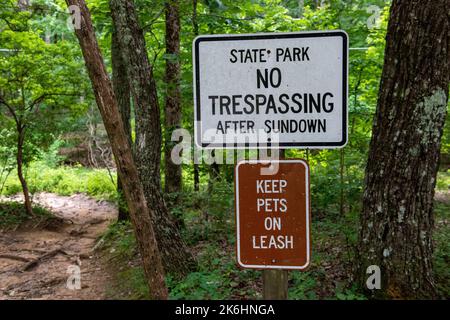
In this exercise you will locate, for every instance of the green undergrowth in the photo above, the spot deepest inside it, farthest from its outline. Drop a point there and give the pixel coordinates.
(120, 243)
(65, 180)
(208, 220)
(209, 230)
(443, 181)
(13, 215)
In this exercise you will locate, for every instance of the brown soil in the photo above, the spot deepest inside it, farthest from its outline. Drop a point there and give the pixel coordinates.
(37, 263)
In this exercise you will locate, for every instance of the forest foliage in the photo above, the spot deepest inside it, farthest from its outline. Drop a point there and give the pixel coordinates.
(41, 64)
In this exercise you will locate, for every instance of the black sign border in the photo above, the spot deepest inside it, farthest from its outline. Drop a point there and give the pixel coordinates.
(265, 36)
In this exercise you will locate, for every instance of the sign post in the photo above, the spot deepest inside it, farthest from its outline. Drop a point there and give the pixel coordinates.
(275, 284)
(271, 91)
(275, 281)
(273, 219)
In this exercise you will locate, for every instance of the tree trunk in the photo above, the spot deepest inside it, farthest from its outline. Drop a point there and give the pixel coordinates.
(195, 29)
(196, 178)
(122, 92)
(214, 173)
(173, 177)
(397, 218)
(23, 182)
(177, 258)
(301, 7)
(109, 109)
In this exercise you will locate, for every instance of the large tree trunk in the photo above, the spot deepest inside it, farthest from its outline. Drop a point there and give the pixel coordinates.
(122, 91)
(23, 182)
(177, 258)
(106, 101)
(397, 218)
(173, 178)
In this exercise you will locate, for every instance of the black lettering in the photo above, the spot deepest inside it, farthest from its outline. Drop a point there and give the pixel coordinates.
(248, 56)
(213, 103)
(312, 126)
(233, 52)
(305, 102)
(251, 126)
(220, 128)
(302, 125)
(268, 127)
(236, 104)
(327, 107)
(297, 53)
(262, 55)
(296, 98)
(323, 125)
(272, 82)
(287, 55)
(315, 103)
(305, 53)
(285, 104)
(279, 53)
(260, 101)
(250, 104)
(225, 102)
(262, 78)
(271, 105)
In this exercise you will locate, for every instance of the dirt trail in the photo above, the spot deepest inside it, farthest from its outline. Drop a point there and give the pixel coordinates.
(37, 263)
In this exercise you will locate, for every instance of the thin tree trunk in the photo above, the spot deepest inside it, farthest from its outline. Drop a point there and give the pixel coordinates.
(214, 173)
(109, 109)
(341, 183)
(301, 7)
(23, 182)
(196, 178)
(397, 218)
(195, 29)
(176, 256)
(122, 92)
(173, 173)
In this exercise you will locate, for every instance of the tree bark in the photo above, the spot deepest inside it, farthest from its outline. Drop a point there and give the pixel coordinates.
(122, 92)
(106, 101)
(176, 256)
(397, 218)
(173, 173)
(214, 173)
(23, 182)
(301, 7)
(195, 29)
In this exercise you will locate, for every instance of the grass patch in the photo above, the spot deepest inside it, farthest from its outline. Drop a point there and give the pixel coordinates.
(443, 180)
(130, 282)
(14, 215)
(217, 278)
(65, 181)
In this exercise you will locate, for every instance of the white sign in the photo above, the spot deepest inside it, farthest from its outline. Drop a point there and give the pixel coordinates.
(271, 90)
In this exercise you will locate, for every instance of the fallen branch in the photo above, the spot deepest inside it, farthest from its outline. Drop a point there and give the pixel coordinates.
(13, 257)
(35, 262)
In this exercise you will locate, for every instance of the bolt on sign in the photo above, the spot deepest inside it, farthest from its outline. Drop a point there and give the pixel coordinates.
(272, 214)
(271, 90)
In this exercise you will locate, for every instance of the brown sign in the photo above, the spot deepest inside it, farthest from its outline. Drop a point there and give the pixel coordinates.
(272, 214)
